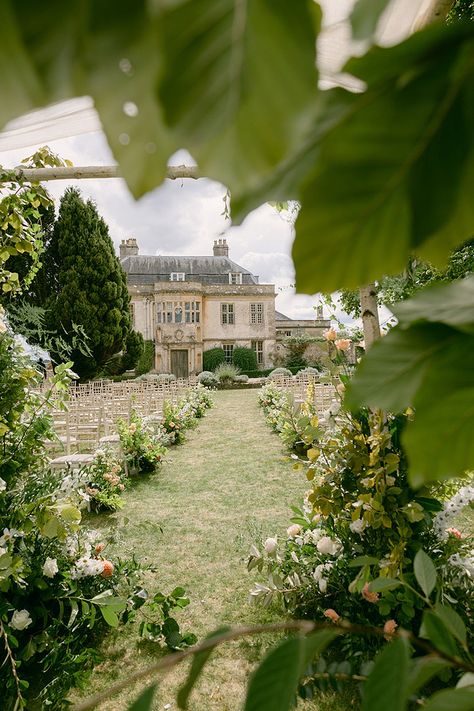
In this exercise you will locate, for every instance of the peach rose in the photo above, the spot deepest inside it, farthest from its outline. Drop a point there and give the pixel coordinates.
(343, 344)
(332, 615)
(389, 628)
(99, 548)
(293, 530)
(369, 595)
(330, 335)
(454, 532)
(108, 569)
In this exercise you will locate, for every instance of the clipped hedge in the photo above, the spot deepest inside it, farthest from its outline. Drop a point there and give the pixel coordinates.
(244, 358)
(212, 358)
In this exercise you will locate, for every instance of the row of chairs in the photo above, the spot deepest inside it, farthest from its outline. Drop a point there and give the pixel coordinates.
(300, 387)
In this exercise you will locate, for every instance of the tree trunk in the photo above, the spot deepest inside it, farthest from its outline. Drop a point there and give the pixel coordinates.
(370, 314)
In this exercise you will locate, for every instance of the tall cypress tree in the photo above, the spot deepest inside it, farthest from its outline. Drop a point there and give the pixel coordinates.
(91, 284)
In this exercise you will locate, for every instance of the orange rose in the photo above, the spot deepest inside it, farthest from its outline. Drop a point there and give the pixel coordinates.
(330, 335)
(108, 569)
(389, 628)
(332, 615)
(343, 344)
(368, 595)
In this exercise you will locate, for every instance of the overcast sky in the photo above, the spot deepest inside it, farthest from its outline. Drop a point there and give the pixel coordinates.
(183, 217)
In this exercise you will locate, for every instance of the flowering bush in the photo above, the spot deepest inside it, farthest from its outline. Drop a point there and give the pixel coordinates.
(208, 379)
(105, 480)
(142, 448)
(350, 550)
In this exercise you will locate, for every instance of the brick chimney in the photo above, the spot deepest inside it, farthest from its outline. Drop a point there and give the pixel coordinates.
(221, 248)
(128, 247)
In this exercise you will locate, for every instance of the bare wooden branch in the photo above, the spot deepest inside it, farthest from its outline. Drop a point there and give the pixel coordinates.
(83, 172)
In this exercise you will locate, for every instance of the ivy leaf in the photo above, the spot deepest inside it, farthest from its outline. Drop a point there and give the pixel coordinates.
(388, 679)
(145, 701)
(274, 684)
(364, 197)
(238, 80)
(425, 572)
(365, 16)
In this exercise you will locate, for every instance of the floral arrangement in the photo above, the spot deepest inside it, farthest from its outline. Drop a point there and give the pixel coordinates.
(60, 592)
(350, 550)
(143, 449)
(105, 480)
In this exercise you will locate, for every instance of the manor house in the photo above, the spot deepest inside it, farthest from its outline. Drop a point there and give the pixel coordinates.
(187, 305)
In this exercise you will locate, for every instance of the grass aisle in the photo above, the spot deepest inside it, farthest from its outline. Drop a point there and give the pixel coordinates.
(225, 488)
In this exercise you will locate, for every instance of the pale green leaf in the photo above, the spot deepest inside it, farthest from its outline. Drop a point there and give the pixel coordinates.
(388, 679)
(238, 80)
(109, 616)
(425, 572)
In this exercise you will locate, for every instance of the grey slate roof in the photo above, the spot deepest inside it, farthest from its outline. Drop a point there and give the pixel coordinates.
(281, 317)
(142, 269)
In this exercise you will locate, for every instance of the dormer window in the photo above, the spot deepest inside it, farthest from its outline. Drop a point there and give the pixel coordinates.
(177, 276)
(235, 277)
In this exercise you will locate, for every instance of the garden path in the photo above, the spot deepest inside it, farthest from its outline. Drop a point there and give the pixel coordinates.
(226, 487)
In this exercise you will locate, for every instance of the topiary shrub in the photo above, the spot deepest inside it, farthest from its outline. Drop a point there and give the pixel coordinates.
(146, 360)
(212, 358)
(226, 373)
(208, 379)
(241, 379)
(245, 358)
(279, 372)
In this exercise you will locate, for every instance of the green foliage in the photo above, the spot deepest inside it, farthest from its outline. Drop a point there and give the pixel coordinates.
(25, 221)
(276, 372)
(134, 349)
(212, 358)
(91, 282)
(208, 379)
(296, 347)
(416, 276)
(146, 361)
(244, 358)
(143, 449)
(429, 351)
(226, 373)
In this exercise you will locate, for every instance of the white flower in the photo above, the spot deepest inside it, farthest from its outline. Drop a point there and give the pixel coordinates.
(357, 526)
(3, 326)
(293, 530)
(270, 545)
(50, 567)
(390, 480)
(3, 484)
(87, 566)
(8, 535)
(327, 546)
(323, 585)
(20, 620)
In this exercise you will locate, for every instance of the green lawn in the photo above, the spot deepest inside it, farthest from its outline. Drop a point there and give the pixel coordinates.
(225, 488)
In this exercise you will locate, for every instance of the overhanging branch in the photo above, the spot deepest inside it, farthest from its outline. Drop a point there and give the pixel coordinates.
(36, 175)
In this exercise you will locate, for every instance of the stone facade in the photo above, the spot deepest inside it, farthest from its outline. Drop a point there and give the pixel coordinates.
(187, 305)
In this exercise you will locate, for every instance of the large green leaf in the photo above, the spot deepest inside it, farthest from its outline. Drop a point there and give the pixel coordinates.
(121, 64)
(452, 700)
(374, 195)
(273, 685)
(238, 80)
(422, 670)
(388, 679)
(20, 85)
(451, 304)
